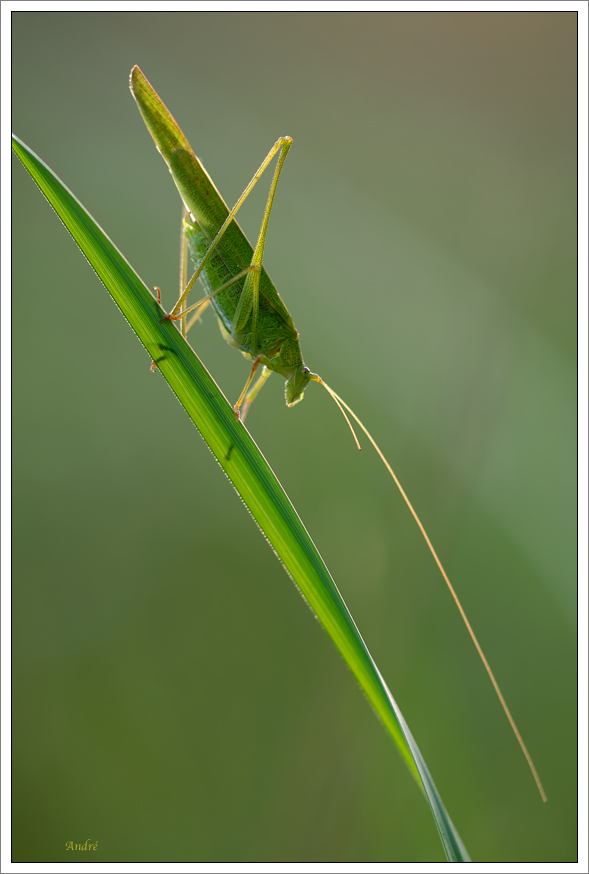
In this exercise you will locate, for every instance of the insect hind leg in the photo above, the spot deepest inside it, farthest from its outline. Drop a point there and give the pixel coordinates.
(282, 146)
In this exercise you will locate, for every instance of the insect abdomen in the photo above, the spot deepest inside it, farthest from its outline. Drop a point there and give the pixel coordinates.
(272, 328)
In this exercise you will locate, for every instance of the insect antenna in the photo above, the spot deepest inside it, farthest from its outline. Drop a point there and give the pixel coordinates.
(339, 402)
(343, 407)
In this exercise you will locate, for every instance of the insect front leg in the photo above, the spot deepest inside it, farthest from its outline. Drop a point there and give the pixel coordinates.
(246, 386)
(266, 372)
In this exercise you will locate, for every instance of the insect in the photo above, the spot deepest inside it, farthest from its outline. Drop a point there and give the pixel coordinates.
(251, 313)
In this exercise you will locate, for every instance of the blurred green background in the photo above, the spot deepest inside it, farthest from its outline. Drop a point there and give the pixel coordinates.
(173, 698)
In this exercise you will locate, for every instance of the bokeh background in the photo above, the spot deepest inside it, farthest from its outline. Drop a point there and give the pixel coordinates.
(174, 699)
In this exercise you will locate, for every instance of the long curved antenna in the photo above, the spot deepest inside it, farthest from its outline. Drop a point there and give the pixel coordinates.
(343, 406)
(339, 402)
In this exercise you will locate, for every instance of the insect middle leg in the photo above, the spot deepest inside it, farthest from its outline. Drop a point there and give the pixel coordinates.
(173, 317)
(197, 314)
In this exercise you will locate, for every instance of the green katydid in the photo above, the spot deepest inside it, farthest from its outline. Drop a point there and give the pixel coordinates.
(251, 313)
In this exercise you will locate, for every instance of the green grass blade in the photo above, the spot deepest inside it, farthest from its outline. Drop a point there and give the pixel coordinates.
(244, 465)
